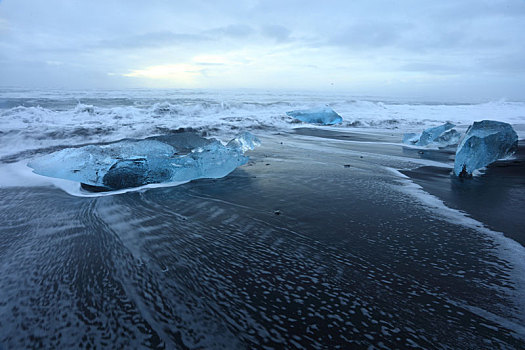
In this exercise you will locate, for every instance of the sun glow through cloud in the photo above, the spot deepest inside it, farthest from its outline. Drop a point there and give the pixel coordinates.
(181, 73)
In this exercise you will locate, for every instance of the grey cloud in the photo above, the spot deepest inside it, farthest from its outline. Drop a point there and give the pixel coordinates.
(209, 64)
(370, 34)
(466, 10)
(277, 32)
(231, 31)
(510, 63)
(237, 32)
(439, 68)
(155, 39)
(168, 38)
(414, 37)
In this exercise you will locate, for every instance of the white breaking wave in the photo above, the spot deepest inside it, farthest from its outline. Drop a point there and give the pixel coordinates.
(36, 120)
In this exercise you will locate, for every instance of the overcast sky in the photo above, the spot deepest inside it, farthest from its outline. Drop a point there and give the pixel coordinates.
(429, 48)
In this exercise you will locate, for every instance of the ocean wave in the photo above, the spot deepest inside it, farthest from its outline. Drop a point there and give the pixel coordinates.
(46, 120)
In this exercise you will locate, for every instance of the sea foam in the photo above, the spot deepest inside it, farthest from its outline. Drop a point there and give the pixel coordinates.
(36, 122)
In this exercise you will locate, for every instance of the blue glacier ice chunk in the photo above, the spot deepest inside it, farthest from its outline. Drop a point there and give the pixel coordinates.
(429, 135)
(89, 164)
(484, 143)
(440, 136)
(320, 115)
(410, 138)
(178, 157)
(448, 138)
(244, 142)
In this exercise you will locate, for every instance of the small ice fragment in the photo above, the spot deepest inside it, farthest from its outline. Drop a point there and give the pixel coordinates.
(441, 136)
(244, 142)
(410, 138)
(484, 143)
(431, 134)
(448, 138)
(321, 115)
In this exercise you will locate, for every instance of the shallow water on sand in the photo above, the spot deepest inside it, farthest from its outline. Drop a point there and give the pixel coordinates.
(293, 249)
(497, 198)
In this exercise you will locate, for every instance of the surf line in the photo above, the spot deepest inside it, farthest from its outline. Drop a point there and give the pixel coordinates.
(508, 249)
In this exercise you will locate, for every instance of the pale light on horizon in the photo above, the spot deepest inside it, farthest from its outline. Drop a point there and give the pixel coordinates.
(182, 74)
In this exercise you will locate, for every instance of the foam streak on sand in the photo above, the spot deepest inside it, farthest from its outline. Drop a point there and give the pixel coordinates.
(507, 248)
(334, 149)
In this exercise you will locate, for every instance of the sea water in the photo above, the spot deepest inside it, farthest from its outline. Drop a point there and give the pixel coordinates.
(36, 120)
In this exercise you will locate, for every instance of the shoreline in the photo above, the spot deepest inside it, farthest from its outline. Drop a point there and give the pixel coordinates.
(493, 197)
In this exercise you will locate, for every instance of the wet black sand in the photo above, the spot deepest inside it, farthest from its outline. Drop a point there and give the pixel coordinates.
(313, 244)
(496, 198)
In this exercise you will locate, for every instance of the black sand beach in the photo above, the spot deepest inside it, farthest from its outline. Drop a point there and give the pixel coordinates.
(316, 243)
(497, 198)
